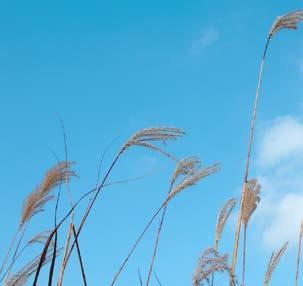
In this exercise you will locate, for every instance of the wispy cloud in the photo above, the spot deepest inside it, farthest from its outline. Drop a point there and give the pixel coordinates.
(206, 39)
(281, 140)
(281, 207)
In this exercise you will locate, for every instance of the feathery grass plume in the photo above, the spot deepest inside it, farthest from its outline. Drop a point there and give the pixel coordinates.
(39, 238)
(21, 277)
(273, 262)
(36, 200)
(185, 183)
(299, 254)
(145, 138)
(288, 21)
(250, 203)
(186, 167)
(154, 134)
(209, 263)
(251, 200)
(192, 180)
(222, 218)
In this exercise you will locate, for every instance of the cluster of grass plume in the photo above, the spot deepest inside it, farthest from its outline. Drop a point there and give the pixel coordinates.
(187, 173)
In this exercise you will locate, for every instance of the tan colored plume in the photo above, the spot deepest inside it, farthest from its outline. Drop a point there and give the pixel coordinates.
(250, 200)
(21, 277)
(40, 237)
(209, 263)
(186, 167)
(222, 218)
(146, 137)
(36, 200)
(273, 262)
(288, 21)
(192, 180)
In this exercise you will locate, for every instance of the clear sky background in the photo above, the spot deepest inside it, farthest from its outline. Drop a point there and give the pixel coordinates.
(110, 68)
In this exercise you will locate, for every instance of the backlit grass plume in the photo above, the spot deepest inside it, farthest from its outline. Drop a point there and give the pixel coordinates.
(36, 200)
(221, 221)
(273, 262)
(186, 167)
(250, 203)
(222, 218)
(251, 200)
(210, 263)
(192, 180)
(288, 21)
(21, 277)
(149, 136)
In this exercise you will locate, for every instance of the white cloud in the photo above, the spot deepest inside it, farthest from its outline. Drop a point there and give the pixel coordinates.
(285, 216)
(281, 176)
(282, 140)
(207, 38)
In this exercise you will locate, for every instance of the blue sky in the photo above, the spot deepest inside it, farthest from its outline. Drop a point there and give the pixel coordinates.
(110, 68)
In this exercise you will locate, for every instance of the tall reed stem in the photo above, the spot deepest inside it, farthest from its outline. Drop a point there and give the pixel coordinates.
(136, 244)
(157, 241)
(251, 136)
(244, 256)
(90, 205)
(17, 247)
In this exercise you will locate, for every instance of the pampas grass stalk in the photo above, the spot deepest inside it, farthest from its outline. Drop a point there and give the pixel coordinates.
(39, 238)
(185, 167)
(288, 21)
(187, 182)
(36, 200)
(144, 138)
(71, 229)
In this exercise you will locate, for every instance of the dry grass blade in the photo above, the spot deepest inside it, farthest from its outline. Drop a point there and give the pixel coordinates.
(222, 218)
(146, 136)
(250, 200)
(273, 262)
(186, 167)
(288, 21)
(36, 200)
(41, 237)
(192, 180)
(209, 263)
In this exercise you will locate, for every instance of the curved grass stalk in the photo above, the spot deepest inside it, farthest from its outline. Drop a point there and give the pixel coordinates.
(288, 21)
